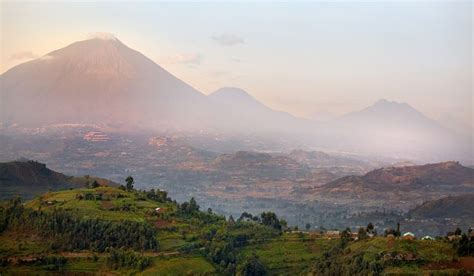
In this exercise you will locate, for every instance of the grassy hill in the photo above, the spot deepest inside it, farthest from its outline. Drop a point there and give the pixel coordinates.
(29, 178)
(115, 231)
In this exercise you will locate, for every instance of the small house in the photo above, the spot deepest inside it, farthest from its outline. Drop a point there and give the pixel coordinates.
(427, 238)
(333, 234)
(408, 236)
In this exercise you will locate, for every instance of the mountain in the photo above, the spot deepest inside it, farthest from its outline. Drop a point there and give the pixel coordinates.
(103, 82)
(386, 114)
(29, 178)
(396, 129)
(99, 80)
(245, 113)
(403, 186)
(447, 207)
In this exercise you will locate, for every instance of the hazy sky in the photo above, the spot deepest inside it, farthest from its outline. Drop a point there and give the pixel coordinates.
(310, 59)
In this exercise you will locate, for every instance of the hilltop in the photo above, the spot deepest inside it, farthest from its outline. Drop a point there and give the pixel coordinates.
(460, 207)
(30, 178)
(402, 187)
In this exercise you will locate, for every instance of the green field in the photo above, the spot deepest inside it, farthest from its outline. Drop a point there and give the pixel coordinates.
(192, 242)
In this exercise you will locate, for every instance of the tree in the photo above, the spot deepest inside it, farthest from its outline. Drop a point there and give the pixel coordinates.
(253, 267)
(370, 228)
(362, 234)
(95, 184)
(129, 180)
(308, 226)
(193, 206)
(345, 236)
(270, 219)
(458, 232)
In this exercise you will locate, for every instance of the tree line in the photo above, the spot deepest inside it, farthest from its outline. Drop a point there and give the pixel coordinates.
(71, 233)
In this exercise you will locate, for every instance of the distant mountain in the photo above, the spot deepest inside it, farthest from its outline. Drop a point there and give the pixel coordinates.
(98, 81)
(389, 114)
(398, 130)
(29, 178)
(104, 83)
(101, 81)
(403, 186)
(245, 113)
(447, 207)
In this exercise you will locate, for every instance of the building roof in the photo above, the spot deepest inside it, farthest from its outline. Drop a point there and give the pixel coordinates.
(408, 234)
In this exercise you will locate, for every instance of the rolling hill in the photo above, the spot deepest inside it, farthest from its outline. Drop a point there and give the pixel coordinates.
(108, 230)
(402, 187)
(29, 178)
(459, 207)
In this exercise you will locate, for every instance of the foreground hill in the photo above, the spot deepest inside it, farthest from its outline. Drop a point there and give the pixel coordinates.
(403, 186)
(447, 207)
(108, 230)
(29, 178)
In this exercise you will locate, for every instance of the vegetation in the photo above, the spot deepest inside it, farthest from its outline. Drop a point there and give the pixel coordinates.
(127, 259)
(107, 229)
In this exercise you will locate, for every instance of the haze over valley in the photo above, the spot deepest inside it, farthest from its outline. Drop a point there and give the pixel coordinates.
(347, 120)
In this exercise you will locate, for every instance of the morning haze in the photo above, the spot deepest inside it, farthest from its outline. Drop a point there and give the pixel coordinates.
(343, 56)
(236, 138)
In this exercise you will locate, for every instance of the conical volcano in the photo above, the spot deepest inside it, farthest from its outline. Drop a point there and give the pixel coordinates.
(99, 81)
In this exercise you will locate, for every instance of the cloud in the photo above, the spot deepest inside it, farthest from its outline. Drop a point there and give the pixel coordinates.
(22, 55)
(193, 59)
(227, 39)
(103, 36)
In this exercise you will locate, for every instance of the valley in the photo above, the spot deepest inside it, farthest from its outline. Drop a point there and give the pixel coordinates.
(326, 190)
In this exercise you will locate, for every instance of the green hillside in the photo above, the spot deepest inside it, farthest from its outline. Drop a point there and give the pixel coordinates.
(112, 230)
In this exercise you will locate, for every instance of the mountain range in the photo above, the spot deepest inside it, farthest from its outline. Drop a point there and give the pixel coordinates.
(101, 81)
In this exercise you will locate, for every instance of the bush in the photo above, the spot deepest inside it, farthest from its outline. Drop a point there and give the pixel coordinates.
(127, 259)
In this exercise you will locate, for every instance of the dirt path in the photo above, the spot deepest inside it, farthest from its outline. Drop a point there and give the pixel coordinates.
(466, 263)
(33, 258)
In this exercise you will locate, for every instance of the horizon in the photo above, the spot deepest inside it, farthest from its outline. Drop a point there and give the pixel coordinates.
(434, 93)
(109, 36)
